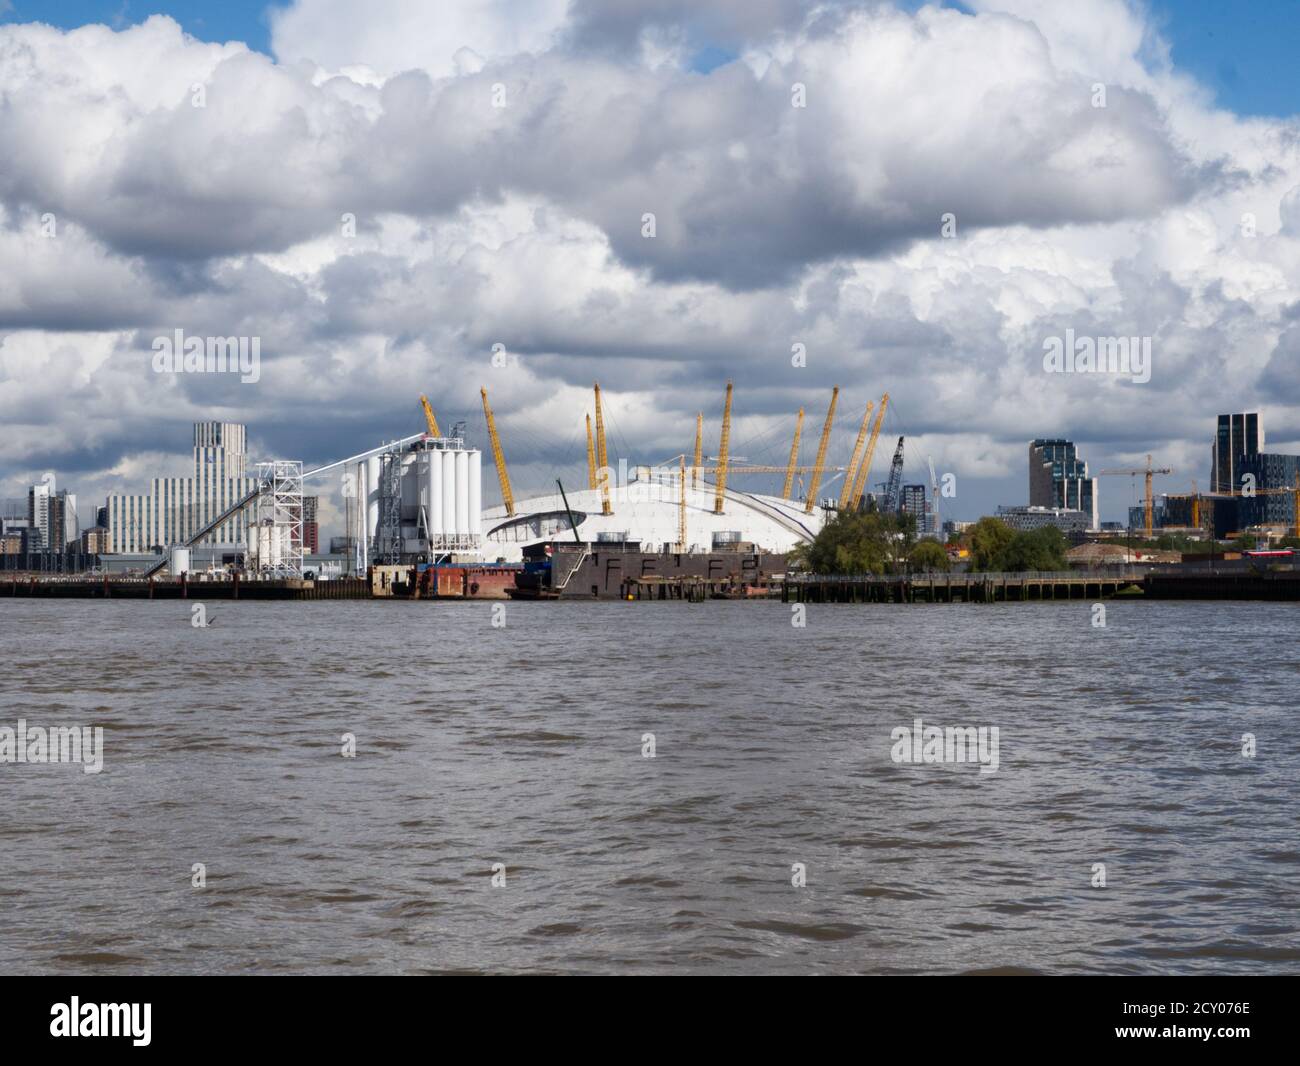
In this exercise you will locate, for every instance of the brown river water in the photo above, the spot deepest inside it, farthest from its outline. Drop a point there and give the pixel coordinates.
(524, 745)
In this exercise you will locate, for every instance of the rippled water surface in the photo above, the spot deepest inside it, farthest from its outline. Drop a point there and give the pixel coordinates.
(523, 745)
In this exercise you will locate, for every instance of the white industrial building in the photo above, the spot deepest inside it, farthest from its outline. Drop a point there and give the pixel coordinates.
(648, 509)
(422, 499)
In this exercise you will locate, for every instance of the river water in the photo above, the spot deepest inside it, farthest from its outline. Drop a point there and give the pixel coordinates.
(524, 745)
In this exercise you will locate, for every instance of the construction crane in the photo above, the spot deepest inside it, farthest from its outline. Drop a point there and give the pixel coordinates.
(934, 488)
(601, 455)
(893, 499)
(860, 481)
(432, 422)
(503, 475)
(821, 452)
(847, 491)
(721, 478)
(794, 457)
(1149, 472)
(591, 457)
(1292, 490)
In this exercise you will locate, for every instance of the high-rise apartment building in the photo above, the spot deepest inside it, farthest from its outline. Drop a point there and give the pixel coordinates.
(52, 516)
(1237, 437)
(310, 526)
(176, 508)
(1059, 479)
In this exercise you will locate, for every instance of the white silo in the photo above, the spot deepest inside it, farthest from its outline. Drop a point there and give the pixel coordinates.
(361, 493)
(462, 494)
(449, 493)
(434, 514)
(372, 497)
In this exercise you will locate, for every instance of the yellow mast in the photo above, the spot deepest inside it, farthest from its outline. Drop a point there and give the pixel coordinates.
(860, 482)
(721, 476)
(507, 497)
(601, 455)
(794, 457)
(429, 419)
(851, 474)
(699, 449)
(591, 457)
(821, 452)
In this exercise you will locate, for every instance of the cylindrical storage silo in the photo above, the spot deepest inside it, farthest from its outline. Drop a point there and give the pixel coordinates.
(476, 492)
(180, 561)
(462, 494)
(361, 492)
(372, 498)
(449, 492)
(435, 494)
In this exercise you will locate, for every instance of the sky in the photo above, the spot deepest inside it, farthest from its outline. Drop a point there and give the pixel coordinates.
(952, 194)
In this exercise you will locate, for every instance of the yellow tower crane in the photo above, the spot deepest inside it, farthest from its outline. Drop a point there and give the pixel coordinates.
(864, 468)
(591, 457)
(503, 475)
(821, 453)
(429, 419)
(602, 455)
(1148, 512)
(721, 477)
(846, 493)
(794, 457)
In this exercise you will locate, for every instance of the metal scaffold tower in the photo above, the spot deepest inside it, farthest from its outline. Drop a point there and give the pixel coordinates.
(276, 534)
(388, 537)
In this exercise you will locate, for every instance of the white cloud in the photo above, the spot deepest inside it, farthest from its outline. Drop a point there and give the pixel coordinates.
(522, 225)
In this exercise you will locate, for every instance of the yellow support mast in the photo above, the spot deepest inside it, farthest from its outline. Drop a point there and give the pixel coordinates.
(821, 453)
(602, 455)
(591, 457)
(721, 477)
(699, 449)
(507, 497)
(794, 457)
(851, 474)
(432, 422)
(860, 482)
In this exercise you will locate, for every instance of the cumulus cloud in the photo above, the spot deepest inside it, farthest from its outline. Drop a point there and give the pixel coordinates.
(475, 224)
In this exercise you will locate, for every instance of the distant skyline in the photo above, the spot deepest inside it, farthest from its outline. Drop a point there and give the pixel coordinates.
(916, 197)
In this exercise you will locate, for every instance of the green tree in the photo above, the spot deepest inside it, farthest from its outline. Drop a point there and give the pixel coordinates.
(989, 540)
(848, 543)
(928, 556)
(1038, 549)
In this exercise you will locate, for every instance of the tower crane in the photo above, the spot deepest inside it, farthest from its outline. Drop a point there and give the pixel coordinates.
(503, 475)
(1149, 510)
(432, 422)
(934, 488)
(894, 486)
